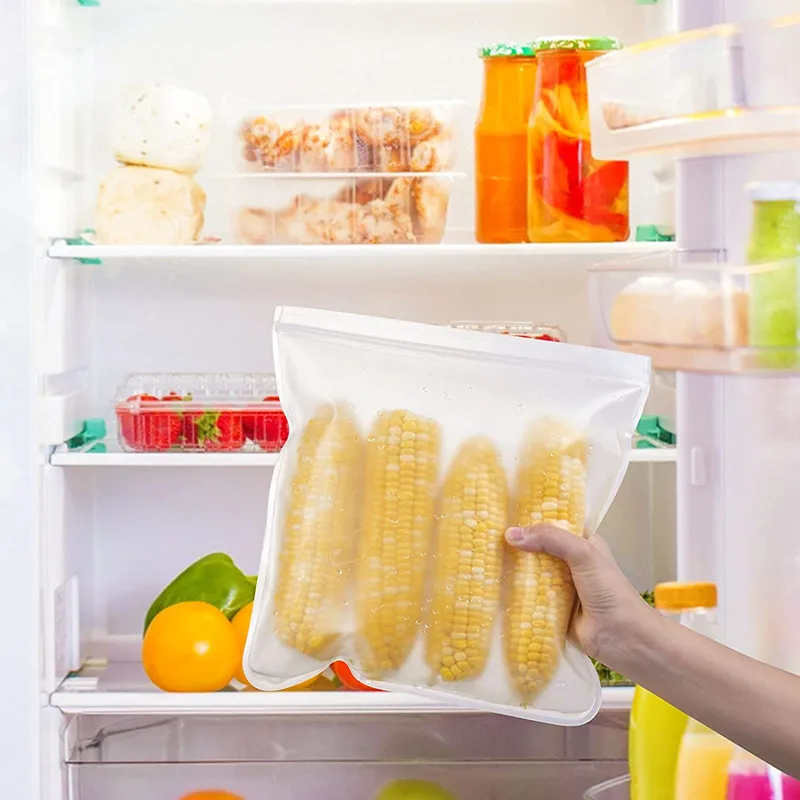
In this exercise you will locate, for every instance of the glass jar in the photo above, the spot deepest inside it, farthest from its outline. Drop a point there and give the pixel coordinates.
(572, 197)
(501, 176)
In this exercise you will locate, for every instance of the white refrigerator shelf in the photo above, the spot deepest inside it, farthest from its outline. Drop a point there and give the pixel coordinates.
(365, 253)
(123, 688)
(113, 456)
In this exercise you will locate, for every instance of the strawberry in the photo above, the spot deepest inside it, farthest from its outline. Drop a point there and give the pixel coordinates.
(546, 337)
(188, 435)
(131, 423)
(271, 427)
(219, 430)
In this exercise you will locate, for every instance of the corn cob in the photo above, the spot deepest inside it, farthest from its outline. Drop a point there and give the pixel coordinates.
(402, 456)
(551, 485)
(469, 562)
(318, 541)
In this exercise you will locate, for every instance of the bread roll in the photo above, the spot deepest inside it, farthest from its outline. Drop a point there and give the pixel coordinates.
(161, 126)
(140, 205)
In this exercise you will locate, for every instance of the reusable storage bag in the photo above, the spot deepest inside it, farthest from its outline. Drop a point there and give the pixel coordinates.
(411, 449)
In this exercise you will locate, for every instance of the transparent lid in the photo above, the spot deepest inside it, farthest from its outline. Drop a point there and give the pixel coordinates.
(773, 191)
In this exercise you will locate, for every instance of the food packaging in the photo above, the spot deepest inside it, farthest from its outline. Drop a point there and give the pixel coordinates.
(388, 137)
(339, 209)
(522, 330)
(161, 126)
(196, 412)
(141, 205)
(412, 448)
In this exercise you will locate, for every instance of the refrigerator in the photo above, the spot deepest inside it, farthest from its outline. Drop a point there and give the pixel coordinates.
(93, 532)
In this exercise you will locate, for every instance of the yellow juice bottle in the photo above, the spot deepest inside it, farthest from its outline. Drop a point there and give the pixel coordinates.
(656, 728)
(702, 772)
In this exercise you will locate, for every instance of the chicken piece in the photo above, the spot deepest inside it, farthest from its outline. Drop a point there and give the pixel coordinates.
(143, 205)
(400, 194)
(329, 222)
(380, 222)
(256, 226)
(431, 197)
(268, 144)
(381, 126)
(432, 155)
(330, 146)
(364, 191)
(392, 158)
(422, 124)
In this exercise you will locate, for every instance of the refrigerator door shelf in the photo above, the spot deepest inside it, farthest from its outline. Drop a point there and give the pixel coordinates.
(695, 312)
(123, 688)
(723, 90)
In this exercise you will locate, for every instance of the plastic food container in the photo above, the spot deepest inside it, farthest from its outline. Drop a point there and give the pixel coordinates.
(523, 330)
(616, 789)
(383, 137)
(572, 196)
(341, 209)
(215, 412)
(501, 143)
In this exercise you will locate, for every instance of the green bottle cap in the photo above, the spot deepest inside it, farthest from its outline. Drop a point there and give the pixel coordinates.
(507, 50)
(587, 43)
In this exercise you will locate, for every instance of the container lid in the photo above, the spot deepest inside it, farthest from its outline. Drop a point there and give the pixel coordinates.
(773, 191)
(590, 43)
(507, 50)
(684, 596)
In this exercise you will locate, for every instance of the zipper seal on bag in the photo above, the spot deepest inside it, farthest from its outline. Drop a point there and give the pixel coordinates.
(469, 345)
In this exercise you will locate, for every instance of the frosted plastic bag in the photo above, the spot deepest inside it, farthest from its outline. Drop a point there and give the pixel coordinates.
(411, 449)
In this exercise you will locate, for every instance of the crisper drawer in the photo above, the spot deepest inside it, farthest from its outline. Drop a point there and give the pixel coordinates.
(458, 757)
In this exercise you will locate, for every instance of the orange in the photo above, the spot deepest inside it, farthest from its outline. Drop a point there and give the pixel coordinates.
(190, 647)
(212, 794)
(241, 624)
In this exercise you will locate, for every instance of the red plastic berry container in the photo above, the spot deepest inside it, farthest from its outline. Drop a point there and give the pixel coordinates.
(523, 330)
(200, 412)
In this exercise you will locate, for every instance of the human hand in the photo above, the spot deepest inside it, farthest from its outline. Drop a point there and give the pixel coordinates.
(611, 610)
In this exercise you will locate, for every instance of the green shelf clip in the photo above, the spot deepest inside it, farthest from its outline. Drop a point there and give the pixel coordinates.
(90, 438)
(96, 3)
(648, 431)
(651, 233)
(79, 241)
(664, 435)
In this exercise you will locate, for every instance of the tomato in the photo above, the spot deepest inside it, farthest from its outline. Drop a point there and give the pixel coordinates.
(190, 647)
(345, 675)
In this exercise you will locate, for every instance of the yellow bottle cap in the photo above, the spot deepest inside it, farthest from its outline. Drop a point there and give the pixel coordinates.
(683, 596)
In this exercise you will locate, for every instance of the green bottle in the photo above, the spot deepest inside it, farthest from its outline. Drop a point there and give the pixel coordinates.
(774, 241)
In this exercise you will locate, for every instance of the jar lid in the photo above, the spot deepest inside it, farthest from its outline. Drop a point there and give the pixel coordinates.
(684, 596)
(507, 50)
(589, 43)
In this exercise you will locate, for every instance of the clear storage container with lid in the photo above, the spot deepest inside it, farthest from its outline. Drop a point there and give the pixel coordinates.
(509, 80)
(572, 197)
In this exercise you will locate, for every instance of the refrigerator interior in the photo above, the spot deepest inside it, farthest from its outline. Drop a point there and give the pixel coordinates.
(113, 536)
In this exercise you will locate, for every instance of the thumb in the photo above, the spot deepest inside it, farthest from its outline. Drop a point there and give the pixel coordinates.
(555, 541)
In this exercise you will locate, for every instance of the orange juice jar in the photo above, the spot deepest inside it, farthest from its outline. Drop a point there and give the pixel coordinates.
(501, 175)
(572, 197)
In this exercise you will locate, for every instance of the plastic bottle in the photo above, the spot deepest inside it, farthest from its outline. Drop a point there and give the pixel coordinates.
(656, 727)
(702, 771)
(749, 778)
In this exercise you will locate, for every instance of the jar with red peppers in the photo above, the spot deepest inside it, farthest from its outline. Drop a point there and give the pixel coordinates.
(572, 196)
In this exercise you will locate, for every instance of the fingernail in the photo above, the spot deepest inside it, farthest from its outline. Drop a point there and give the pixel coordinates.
(515, 535)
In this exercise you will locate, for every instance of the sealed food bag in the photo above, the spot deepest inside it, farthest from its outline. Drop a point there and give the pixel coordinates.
(411, 449)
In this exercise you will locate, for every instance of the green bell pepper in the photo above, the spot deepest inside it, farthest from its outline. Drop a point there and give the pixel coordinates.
(213, 579)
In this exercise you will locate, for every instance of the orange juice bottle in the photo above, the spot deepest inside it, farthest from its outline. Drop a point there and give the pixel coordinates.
(501, 135)
(702, 772)
(657, 728)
